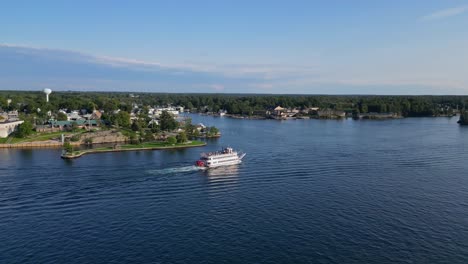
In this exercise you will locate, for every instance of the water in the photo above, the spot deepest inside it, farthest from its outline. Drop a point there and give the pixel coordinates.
(309, 191)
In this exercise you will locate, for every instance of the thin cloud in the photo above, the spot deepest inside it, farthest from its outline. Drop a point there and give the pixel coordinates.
(24, 67)
(445, 13)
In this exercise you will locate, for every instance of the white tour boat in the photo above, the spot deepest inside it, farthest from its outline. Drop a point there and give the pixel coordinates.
(225, 157)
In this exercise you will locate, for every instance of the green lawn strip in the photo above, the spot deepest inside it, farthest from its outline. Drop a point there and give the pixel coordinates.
(148, 145)
(40, 137)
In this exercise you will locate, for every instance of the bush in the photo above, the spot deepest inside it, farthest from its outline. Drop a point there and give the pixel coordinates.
(181, 137)
(62, 117)
(171, 140)
(134, 138)
(67, 147)
(75, 138)
(149, 136)
(24, 130)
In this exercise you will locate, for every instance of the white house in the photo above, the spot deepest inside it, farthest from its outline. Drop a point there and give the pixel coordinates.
(6, 128)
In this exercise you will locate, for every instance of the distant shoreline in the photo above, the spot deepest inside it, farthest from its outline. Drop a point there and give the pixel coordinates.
(363, 117)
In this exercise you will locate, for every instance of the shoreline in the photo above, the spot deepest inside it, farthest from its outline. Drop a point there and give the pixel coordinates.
(128, 147)
(367, 117)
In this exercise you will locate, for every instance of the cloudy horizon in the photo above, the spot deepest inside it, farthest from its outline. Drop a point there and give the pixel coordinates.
(319, 48)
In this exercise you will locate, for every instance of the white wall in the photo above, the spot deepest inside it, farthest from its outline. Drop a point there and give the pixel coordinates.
(7, 128)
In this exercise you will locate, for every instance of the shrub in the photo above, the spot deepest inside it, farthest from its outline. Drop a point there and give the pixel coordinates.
(171, 140)
(75, 138)
(181, 137)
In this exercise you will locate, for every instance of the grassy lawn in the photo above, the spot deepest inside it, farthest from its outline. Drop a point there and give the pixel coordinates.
(3, 140)
(160, 144)
(39, 137)
(145, 145)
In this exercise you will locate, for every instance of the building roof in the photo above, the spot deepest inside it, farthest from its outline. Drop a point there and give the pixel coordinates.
(279, 108)
(78, 122)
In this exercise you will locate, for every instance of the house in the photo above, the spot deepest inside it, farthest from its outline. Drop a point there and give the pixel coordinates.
(13, 116)
(153, 122)
(222, 112)
(67, 125)
(8, 127)
(277, 113)
(200, 127)
(171, 110)
(74, 115)
(96, 115)
(47, 128)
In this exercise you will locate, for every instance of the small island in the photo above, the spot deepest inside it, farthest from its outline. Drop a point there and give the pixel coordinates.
(69, 152)
(463, 118)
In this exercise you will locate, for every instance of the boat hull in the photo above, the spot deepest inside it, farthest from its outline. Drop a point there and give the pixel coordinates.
(224, 164)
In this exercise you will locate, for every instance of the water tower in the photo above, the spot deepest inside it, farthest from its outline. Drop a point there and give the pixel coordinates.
(8, 102)
(47, 91)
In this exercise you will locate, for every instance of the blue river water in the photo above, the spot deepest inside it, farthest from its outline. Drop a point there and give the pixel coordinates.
(308, 191)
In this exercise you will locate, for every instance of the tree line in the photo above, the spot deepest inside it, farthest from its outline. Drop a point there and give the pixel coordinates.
(241, 104)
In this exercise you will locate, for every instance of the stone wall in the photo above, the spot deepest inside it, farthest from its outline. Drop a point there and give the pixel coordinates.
(106, 136)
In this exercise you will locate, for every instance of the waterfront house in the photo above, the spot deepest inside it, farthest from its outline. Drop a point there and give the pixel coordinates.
(13, 116)
(277, 113)
(222, 112)
(9, 122)
(8, 127)
(200, 127)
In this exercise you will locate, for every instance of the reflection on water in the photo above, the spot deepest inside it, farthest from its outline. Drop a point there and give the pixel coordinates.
(221, 172)
(222, 177)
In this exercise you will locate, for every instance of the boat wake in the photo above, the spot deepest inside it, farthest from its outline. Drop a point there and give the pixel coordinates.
(175, 170)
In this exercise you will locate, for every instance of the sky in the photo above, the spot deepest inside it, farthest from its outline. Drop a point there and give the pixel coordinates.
(280, 47)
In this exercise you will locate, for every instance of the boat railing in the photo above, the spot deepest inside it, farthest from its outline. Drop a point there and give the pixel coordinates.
(216, 153)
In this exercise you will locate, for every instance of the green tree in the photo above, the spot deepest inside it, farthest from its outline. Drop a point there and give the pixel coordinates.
(213, 131)
(135, 126)
(25, 129)
(167, 122)
(189, 127)
(74, 126)
(181, 137)
(67, 147)
(171, 140)
(148, 136)
(62, 116)
(133, 138)
(196, 133)
(75, 138)
(122, 119)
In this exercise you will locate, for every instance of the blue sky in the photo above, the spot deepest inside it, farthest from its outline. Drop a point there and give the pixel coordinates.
(310, 47)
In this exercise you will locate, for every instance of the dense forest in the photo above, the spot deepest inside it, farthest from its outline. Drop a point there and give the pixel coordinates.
(242, 104)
